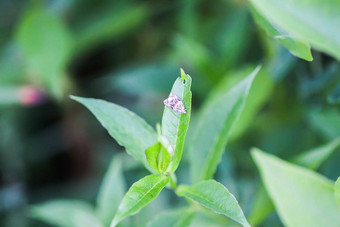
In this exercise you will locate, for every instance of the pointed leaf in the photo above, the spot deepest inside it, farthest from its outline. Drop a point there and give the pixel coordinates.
(158, 157)
(173, 218)
(139, 195)
(311, 159)
(295, 191)
(259, 93)
(111, 192)
(337, 191)
(175, 124)
(327, 122)
(65, 213)
(297, 47)
(215, 124)
(314, 21)
(126, 127)
(215, 197)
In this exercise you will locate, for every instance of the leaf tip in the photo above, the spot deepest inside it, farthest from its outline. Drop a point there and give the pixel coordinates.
(185, 76)
(309, 58)
(114, 222)
(255, 153)
(73, 97)
(182, 72)
(256, 70)
(250, 79)
(78, 99)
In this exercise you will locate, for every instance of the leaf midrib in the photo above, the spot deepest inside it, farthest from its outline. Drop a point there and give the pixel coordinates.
(161, 179)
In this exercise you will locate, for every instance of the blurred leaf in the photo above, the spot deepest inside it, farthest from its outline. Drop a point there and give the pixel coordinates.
(10, 95)
(189, 51)
(173, 218)
(66, 213)
(312, 159)
(327, 122)
(11, 66)
(295, 191)
(126, 127)
(139, 195)
(232, 37)
(206, 218)
(174, 124)
(215, 197)
(141, 80)
(111, 192)
(280, 65)
(334, 97)
(158, 157)
(215, 123)
(262, 207)
(337, 191)
(188, 17)
(259, 93)
(297, 47)
(46, 45)
(192, 51)
(110, 25)
(315, 21)
(318, 82)
(83, 219)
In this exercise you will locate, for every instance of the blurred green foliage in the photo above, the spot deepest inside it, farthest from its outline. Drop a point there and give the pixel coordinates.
(130, 52)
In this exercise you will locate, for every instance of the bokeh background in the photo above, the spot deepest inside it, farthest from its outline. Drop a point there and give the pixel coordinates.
(130, 52)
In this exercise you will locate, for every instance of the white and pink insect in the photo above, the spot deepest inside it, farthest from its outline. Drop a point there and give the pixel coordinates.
(175, 103)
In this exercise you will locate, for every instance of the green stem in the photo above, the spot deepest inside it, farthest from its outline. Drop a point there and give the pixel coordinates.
(173, 181)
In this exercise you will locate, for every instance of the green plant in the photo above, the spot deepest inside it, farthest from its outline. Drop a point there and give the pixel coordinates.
(161, 152)
(303, 187)
(301, 26)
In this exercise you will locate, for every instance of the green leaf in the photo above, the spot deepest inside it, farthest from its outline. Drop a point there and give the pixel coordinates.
(215, 124)
(327, 122)
(174, 124)
(215, 197)
(262, 207)
(158, 157)
(11, 65)
(259, 93)
(297, 47)
(314, 21)
(173, 218)
(111, 192)
(139, 195)
(66, 213)
(126, 127)
(295, 191)
(337, 191)
(108, 26)
(311, 159)
(46, 45)
(234, 25)
(205, 218)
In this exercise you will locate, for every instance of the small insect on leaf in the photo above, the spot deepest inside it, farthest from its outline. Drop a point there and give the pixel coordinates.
(175, 103)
